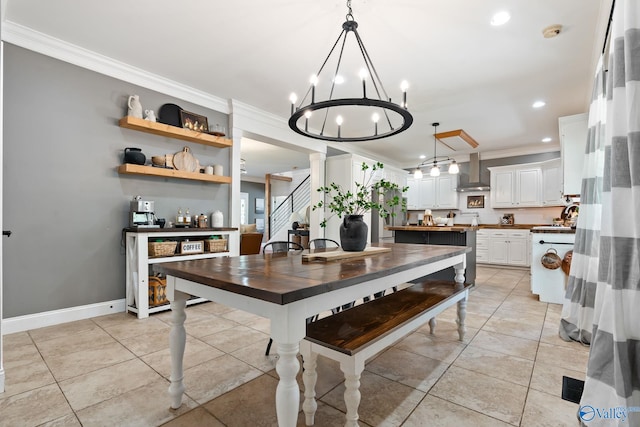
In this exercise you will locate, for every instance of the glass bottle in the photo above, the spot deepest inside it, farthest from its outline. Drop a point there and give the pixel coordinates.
(179, 218)
(187, 217)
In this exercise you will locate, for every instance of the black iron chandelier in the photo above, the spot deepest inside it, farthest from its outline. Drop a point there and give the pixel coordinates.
(435, 169)
(356, 118)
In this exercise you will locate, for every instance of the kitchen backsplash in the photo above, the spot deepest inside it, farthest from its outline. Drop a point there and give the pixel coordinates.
(487, 215)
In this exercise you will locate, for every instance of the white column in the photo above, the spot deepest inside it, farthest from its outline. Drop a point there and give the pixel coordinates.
(317, 161)
(234, 196)
(1, 198)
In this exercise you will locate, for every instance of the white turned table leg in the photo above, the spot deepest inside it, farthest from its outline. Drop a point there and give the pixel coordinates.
(177, 339)
(309, 378)
(432, 325)
(287, 392)
(462, 304)
(352, 398)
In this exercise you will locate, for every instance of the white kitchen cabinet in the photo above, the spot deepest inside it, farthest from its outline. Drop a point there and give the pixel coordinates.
(573, 141)
(516, 186)
(433, 192)
(502, 185)
(482, 246)
(446, 194)
(552, 188)
(507, 247)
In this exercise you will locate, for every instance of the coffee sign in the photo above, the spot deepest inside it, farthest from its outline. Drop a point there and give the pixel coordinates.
(191, 247)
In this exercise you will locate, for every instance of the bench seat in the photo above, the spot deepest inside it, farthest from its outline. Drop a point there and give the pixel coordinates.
(355, 335)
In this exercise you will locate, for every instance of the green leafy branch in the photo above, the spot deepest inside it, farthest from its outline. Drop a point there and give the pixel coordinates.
(343, 202)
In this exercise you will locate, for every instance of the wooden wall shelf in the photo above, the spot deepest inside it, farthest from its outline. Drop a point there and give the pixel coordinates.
(174, 132)
(132, 169)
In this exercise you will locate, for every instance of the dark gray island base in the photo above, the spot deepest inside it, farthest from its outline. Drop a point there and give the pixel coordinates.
(449, 236)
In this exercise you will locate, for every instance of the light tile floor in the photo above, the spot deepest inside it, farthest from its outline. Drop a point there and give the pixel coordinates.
(113, 370)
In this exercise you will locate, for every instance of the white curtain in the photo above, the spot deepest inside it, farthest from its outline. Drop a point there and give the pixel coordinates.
(611, 394)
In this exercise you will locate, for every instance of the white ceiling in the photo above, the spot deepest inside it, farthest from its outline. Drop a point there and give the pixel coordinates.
(463, 73)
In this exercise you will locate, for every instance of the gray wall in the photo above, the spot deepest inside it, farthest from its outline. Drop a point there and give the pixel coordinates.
(63, 199)
(485, 174)
(255, 191)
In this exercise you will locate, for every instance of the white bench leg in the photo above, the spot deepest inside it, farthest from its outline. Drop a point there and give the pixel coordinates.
(352, 371)
(462, 304)
(432, 325)
(309, 378)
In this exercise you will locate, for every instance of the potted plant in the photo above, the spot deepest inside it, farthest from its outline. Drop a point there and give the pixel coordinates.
(352, 205)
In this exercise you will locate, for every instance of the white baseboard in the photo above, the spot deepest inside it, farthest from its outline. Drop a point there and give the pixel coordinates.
(1, 380)
(56, 317)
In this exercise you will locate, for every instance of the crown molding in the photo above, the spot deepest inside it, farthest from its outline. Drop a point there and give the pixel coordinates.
(44, 44)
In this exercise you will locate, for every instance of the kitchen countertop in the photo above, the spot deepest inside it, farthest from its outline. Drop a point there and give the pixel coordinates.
(466, 227)
(457, 228)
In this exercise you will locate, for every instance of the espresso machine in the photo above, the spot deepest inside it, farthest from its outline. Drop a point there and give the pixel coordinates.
(141, 213)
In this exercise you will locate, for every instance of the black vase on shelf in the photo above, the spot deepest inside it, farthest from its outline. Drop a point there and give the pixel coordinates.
(353, 233)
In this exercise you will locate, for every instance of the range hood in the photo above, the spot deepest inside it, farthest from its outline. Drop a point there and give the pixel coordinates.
(474, 176)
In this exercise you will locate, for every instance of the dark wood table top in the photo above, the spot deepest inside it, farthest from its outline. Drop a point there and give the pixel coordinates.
(284, 278)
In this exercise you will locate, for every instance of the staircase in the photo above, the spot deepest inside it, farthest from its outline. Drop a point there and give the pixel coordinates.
(299, 199)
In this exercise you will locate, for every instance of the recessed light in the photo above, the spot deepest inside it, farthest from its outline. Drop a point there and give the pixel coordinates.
(547, 139)
(539, 104)
(500, 18)
(422, 156)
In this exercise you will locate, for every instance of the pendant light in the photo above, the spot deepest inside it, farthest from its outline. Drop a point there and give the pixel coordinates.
(453, 168)
(435, 170)
(314, 118)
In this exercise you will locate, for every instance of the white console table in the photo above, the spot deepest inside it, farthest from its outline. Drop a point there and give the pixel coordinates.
(138, 261)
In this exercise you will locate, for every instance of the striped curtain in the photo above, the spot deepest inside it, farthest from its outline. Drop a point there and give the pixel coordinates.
(611, 394)
(577, 310)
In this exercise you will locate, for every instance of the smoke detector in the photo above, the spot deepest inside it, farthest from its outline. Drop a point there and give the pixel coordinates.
(551, 31)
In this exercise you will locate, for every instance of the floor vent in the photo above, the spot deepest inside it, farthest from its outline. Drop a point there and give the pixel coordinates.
(572, 389)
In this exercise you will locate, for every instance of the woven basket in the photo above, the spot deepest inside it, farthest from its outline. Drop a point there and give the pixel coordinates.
(159, 249)
(157, 291)
(215, 245)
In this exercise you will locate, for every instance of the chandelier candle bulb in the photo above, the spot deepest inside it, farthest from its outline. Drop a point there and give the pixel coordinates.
(314, 82)
(307, 114)
(293, 98)
(404, 86)
(363, 76)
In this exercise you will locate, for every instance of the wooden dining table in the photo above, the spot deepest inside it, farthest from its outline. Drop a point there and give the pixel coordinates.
(288, 290)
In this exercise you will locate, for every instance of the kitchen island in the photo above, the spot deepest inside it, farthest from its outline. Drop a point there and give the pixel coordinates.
(457, 235)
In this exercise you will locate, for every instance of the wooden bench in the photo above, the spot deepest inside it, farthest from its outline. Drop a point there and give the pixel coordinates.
(353, 336)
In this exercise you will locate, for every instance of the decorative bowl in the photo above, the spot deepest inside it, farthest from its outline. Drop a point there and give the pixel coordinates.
(158, 160)
(440, 221)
